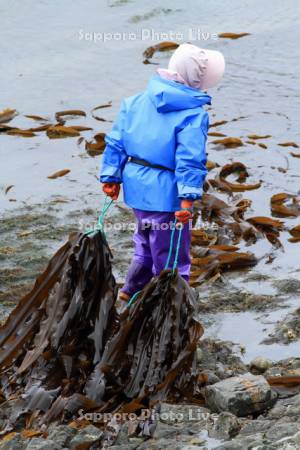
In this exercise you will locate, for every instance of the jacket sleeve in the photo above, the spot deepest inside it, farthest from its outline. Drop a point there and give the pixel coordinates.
(114, 156)
(191, 158)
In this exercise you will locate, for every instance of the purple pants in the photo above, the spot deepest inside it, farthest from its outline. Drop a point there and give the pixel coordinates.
(151, 247)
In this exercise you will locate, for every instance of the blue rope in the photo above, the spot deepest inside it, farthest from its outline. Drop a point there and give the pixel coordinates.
(171, 245)
(103, 212)
(177, 248)
(132, 299)
(100, 224)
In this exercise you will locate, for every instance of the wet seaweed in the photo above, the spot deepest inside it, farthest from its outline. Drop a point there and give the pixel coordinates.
(64, 346)
(220, 181)
(160, 47)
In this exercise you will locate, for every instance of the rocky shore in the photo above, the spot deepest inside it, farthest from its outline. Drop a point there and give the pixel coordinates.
(242, 411)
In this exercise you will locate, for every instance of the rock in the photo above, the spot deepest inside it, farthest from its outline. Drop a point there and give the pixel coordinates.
(287, 407)
(260, 365)
(166, 444)
(165, 431)
(226, 426)
(62, 435)
(290, 443)
(242, 395)
(255, 442)
(123, 447)
(87, 435)
(255, 426)
(122, 438)
(286, 330)
(281, 430)
(285, 367)
(171, 414)
(218, 357)
(15, 443)
(42, 444)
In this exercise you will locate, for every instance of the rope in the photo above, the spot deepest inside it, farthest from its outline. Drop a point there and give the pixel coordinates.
(103, 212)
(171, 245)
(100, 224)
(132, 299)
(177, 248)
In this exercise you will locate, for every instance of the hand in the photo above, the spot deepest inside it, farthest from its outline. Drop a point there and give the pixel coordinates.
(112, 190)
(185, 214)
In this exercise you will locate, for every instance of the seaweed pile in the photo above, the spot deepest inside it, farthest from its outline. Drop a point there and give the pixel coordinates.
(64, 347)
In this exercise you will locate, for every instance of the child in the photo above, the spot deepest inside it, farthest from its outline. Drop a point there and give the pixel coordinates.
(157, 150)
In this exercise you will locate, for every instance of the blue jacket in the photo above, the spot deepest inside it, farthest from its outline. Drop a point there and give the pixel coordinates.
(164, 125)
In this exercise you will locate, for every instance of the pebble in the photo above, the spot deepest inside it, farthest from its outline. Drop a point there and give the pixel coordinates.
(260, 364)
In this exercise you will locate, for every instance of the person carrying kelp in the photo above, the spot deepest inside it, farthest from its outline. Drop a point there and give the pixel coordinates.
(157, 150)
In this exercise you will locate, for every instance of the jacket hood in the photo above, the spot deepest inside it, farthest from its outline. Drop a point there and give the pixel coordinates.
(168, 95)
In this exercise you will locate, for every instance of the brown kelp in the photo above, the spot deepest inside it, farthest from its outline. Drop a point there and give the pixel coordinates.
(7, 115)
(289, 144)
(64, 347)
(232, 35)
(160, 47)
(58, 174)
(58, 130)
(58, 331)
(150, 357)
(229, 142)
(96, 148)
(295, 232)
(220, 181)
(62, 116)
(279, 207)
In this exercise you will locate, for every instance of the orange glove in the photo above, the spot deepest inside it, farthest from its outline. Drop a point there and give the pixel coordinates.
(112, 190)
(185, 214)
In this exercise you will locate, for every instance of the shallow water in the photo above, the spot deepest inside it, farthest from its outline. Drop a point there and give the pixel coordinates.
(248, 329)
(47, 67)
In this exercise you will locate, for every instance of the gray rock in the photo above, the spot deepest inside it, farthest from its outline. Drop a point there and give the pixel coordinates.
(16, 443)
(290, 443)
(62, 435)
(281, 430)
(219, 358)
(242, 395)
(42, 444)
(285, 367)
(286, 330)
(122, 438)
(163, 444)
(171, 414)
(287, 407)
(226, 426)
(165, 431)
(260, 365)
(256, 426)
(247, 443)
(211, 377)
(87, 435)
(123, 447)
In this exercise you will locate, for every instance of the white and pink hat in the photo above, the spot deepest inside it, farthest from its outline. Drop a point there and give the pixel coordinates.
(196, 67)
